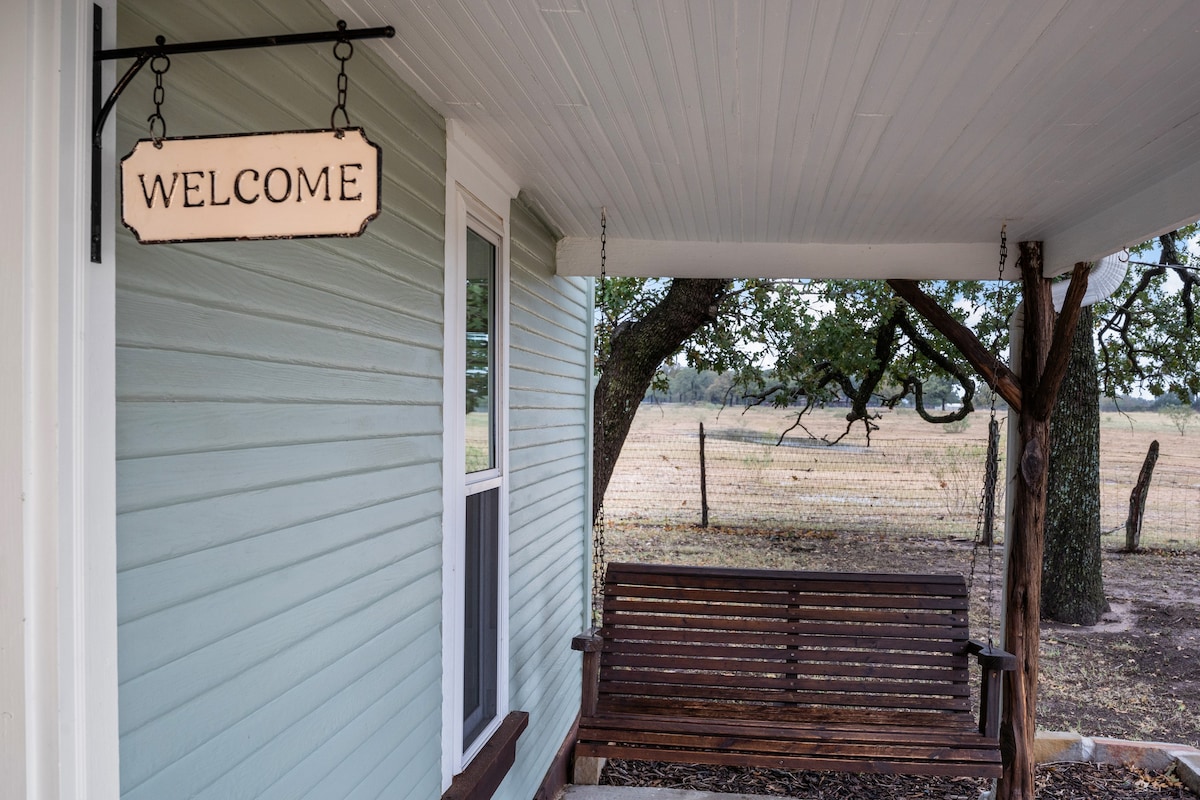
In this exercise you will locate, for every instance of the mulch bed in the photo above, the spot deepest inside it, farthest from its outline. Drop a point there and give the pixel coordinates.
(1053, 782)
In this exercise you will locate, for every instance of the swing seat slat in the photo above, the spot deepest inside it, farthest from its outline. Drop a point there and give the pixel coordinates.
(850, 672)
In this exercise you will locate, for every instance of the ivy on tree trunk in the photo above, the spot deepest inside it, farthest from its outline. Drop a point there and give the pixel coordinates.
(1072, 581)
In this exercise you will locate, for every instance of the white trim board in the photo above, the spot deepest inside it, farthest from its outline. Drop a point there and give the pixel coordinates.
(655, 259)
(58, 668)
(476, 188)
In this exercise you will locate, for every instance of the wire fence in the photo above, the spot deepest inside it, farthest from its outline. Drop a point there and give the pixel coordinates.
(902, 485)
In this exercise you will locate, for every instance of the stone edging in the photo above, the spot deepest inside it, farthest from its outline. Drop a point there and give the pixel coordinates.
(1053, 746)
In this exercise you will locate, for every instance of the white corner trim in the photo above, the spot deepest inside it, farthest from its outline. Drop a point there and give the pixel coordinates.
(58, 638)
(87, 571)
(16, 529)
(476, 188)
(589, 455)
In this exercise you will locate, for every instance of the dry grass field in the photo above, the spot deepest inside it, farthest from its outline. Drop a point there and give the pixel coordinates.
(914, 478)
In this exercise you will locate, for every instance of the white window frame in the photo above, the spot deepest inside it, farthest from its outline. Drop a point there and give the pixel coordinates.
(478, 194)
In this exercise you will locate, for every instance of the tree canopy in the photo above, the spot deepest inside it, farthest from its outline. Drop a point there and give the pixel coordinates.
(806, 344)
(1146, 332)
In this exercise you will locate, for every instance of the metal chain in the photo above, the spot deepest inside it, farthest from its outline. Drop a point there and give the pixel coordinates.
(343, 82)
(992, 467)
(1003, 250)
(159, 66)
(598, 554)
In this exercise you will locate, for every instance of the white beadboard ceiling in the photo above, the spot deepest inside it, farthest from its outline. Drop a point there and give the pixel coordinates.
(821, 138)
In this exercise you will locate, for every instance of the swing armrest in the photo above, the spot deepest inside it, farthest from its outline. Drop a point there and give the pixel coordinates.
(589, 643)
(994, 661)
(992, 657)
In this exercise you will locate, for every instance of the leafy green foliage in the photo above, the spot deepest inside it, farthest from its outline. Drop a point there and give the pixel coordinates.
(806, 344)
(479, 354)
(1147, 338)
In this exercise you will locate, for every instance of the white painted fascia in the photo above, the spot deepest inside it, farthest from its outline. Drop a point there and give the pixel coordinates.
(655, 259)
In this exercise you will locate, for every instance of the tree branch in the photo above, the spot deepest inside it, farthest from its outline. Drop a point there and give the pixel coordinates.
(945, 363)
(1060, 344)
(986, 363)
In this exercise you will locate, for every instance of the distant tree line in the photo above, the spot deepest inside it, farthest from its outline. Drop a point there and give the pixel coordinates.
(688, 385)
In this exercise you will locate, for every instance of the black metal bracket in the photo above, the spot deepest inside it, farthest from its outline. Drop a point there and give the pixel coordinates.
(141, 55)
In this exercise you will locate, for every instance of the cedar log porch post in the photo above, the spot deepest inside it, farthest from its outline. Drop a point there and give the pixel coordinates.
(1044, 356)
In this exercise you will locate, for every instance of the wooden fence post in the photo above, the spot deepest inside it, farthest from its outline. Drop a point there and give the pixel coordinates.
(1137, 500)
(989, 482)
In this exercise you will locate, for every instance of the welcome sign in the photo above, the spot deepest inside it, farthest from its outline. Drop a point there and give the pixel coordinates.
(282, 185)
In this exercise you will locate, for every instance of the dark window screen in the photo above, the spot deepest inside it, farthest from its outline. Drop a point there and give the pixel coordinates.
(480, 613)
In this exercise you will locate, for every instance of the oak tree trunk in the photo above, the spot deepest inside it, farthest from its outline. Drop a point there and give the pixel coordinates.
(635, 355)
(1072, 580)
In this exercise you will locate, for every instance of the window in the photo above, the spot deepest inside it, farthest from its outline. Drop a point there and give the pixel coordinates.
(480, 590)
(475, 418)
(481, 356)
(480, 617)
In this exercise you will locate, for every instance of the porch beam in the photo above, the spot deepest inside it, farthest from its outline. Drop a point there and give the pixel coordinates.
(1060, 343)
(691, 259)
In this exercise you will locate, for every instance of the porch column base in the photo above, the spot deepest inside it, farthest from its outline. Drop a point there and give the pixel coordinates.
(588, 769)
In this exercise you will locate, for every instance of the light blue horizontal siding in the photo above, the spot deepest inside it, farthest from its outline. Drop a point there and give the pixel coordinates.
(207, 427)
(279, 451)
(548, 401)
(156, 534)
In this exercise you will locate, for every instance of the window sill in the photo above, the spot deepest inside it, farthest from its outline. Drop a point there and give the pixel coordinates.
(483, 775)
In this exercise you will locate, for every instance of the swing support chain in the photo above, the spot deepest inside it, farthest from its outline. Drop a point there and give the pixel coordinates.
(599, 556)
(984, 530)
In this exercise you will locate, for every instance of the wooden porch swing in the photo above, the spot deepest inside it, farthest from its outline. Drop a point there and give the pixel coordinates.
(851, 672)
(848, 672)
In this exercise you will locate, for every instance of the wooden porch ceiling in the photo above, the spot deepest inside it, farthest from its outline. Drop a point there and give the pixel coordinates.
(819, 137)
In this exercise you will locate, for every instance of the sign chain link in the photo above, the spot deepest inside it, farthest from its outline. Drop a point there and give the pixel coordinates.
(343, 49)
(159, 66)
